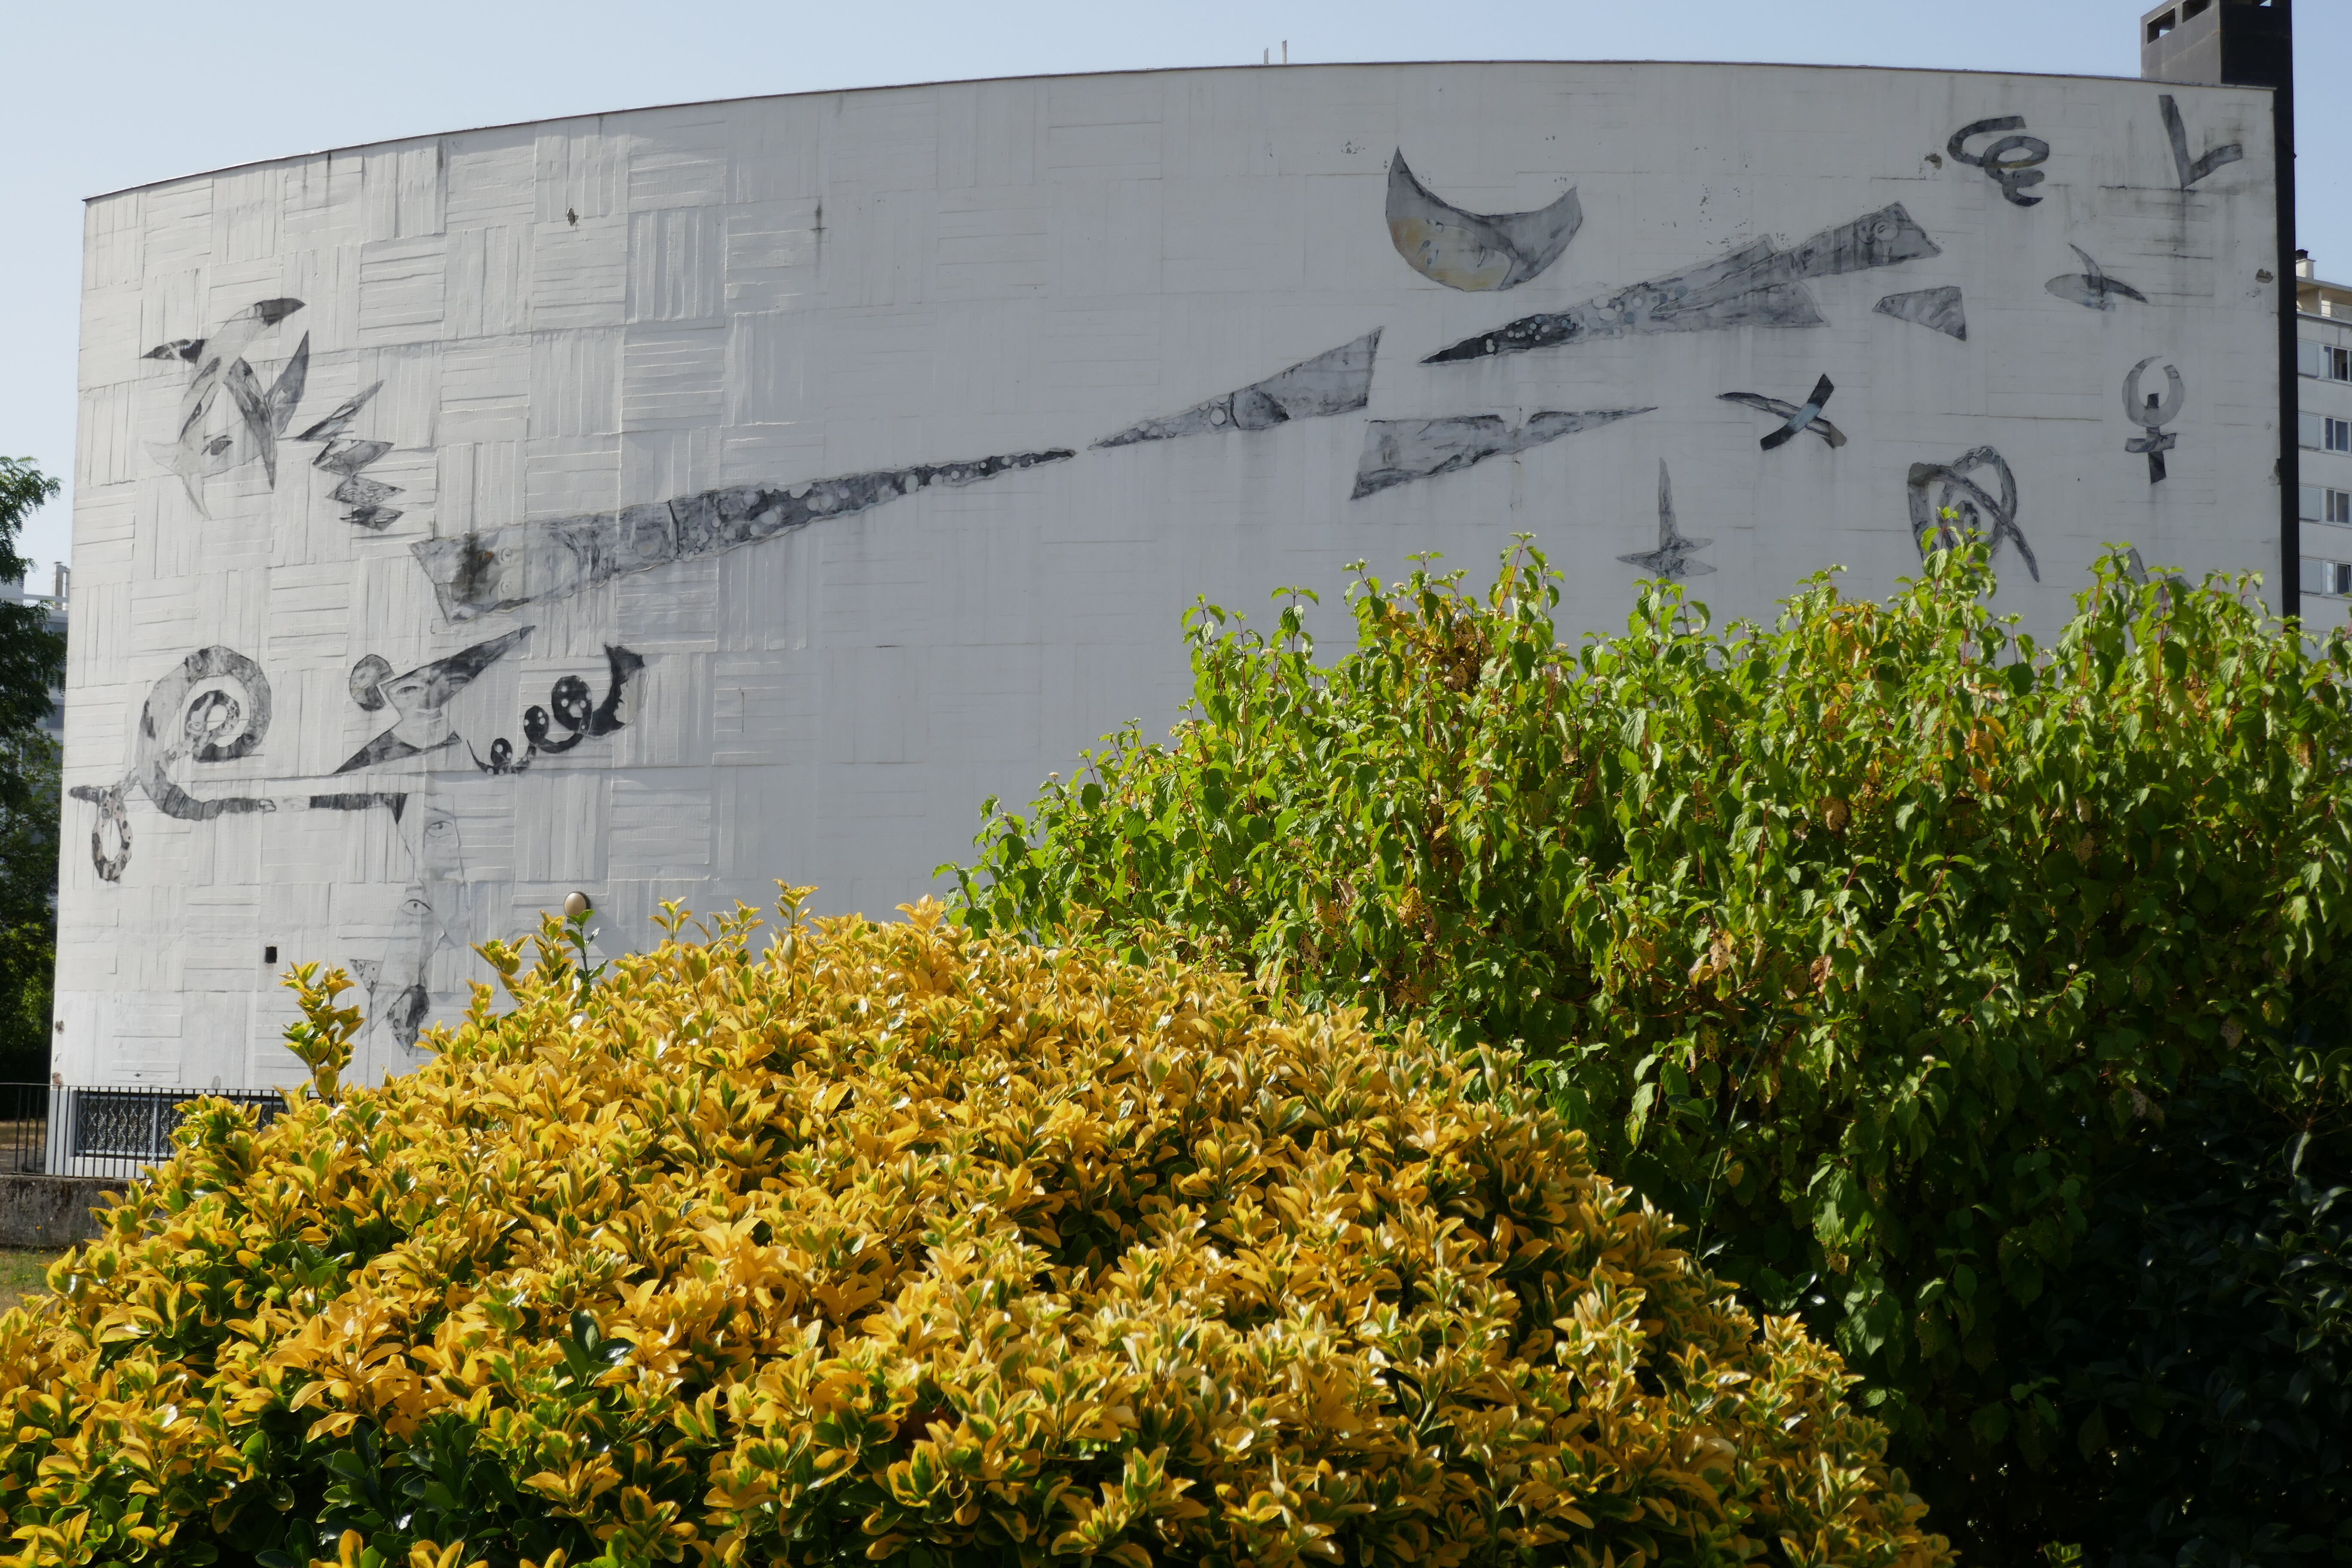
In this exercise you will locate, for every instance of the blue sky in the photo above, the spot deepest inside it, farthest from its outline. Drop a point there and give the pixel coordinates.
(100, 96)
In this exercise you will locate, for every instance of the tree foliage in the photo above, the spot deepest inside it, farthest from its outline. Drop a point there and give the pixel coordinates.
(32, 658)
(28, 917)
(32, 661)
(894, 1243)
(1873, 940)
(2201, 1349)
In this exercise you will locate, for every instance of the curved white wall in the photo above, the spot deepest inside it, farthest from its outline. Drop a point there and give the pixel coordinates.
(757, 447)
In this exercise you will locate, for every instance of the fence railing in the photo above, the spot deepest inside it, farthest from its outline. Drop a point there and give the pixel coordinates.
(102, 1132)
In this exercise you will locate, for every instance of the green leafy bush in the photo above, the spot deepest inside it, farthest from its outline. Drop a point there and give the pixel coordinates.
(892, 1243)
(2199, 1348)
(1870, 941)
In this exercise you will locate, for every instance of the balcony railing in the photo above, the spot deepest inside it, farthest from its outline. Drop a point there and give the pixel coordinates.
(102, 1132)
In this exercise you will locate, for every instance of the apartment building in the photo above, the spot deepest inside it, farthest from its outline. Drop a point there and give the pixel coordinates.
(2323, 430)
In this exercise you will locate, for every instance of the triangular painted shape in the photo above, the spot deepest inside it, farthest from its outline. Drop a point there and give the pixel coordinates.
(1936, 308)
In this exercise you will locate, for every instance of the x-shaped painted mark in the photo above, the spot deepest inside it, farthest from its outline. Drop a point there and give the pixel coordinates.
(1807, 417)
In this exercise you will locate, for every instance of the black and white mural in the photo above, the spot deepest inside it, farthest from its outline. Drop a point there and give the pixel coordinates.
(1398, 451)
(2092, 288)
(1675, 557)
(1337, 382)
(2161, 408)
(1940, 309)
(1794, 418)
(1970, 499)
(1761, 285)
(2012, 160)
(1470, 250)
(659, 504)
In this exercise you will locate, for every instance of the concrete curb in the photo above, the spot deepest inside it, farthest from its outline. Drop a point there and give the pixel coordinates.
(53, 1212)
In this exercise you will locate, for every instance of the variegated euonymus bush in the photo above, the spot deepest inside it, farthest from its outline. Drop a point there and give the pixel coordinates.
(1875, 944)
(895, 1243)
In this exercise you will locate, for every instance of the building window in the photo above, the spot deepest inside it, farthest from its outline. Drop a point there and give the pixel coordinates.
(2339, 506)
(2325, 363)
(2332, 577)
(2336, 435)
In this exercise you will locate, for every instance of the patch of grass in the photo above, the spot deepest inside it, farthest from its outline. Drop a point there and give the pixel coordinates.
(22, 1274)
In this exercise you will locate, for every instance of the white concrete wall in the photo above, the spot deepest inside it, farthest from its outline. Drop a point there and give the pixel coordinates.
(580, 316)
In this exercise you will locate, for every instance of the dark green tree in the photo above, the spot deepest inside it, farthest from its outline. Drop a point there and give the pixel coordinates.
(2198, 1346)
(32, 661)
(1900, 955)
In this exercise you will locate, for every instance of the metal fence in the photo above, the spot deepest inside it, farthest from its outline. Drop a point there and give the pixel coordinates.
(102, 1132)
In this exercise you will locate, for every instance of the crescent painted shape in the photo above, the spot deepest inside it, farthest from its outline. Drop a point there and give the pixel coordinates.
(2163, 412)
(1477, 252)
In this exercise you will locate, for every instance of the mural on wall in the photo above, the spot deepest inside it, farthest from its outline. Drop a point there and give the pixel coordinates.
(1339, 381)
(397, 1000)
(2011, 162)
(2092, 288)
(1795, 419)
(201, 450)
(446, 719)
(2153, 415)
(573, 712)
(1397, 451)
(529, 563)
(213, 708)
(433, 914)
(343, 456)
(1475, 251)
(1949, 508)
(1676, 556)
(418, 699)
(2192, 170)
(1758, 286)
(261, 415)
(1937, 307)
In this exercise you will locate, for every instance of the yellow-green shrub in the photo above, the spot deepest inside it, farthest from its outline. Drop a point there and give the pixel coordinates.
(890, 1242)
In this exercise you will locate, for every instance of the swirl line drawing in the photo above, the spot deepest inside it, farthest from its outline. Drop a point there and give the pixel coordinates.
(214, 707)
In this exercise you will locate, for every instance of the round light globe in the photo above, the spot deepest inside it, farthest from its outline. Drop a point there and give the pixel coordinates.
(575, 905)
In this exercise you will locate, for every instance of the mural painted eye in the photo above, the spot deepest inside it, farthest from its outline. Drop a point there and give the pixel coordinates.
(571, 704)
(534, 724)
(502, 753)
